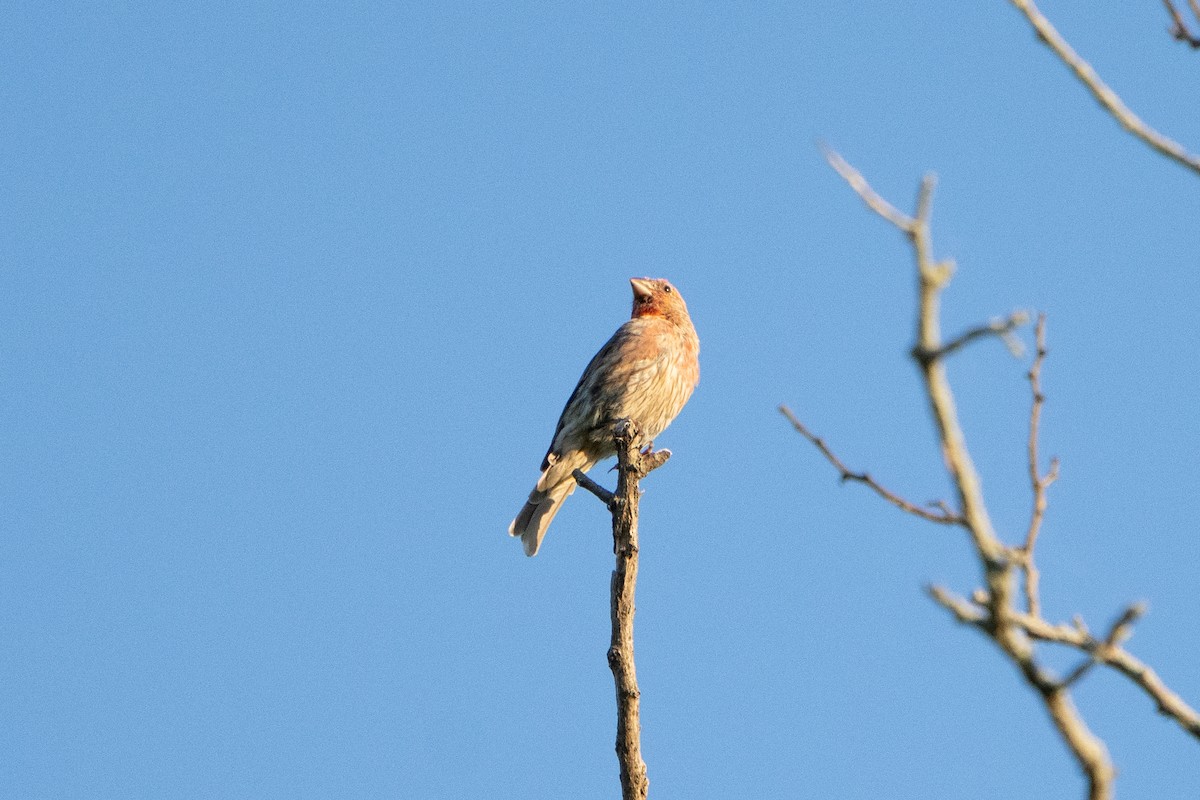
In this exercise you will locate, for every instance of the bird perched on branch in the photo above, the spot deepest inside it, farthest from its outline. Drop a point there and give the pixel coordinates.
(646, 372)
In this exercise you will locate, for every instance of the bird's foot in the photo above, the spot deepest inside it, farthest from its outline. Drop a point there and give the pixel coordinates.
(649, 455)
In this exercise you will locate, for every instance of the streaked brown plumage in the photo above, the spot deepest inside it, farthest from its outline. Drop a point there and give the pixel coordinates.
(645, 372)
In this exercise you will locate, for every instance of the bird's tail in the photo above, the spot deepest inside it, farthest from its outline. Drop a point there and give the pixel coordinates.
(555, 485)
(539, 510)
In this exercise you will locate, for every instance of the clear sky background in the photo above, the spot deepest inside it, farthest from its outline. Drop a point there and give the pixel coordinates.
(292, 297)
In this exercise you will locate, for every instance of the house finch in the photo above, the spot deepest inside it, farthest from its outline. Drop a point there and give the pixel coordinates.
(646, 372)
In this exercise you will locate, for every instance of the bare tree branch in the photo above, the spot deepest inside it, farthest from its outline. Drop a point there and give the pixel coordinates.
(1089, 751)
(945, 516)
(1107, 652)
(604, 495)
(632, 466)
(992, 608)
(859, 184)
(994, 612)
(1179, 29)
(1039, 482)
(1169, 704)
(963, 610)
(1107, 98)
(1120, 630)
(1001, 328)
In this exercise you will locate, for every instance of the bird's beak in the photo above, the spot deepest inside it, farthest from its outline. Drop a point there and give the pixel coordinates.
(642, 287)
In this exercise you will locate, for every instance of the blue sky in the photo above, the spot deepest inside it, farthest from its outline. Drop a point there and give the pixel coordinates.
(293, 295)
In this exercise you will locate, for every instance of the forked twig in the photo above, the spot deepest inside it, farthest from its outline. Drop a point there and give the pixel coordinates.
(945, 516)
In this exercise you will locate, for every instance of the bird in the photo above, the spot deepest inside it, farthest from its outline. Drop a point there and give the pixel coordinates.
(646, 372)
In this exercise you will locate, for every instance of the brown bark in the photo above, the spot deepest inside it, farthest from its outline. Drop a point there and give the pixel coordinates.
(632, 466)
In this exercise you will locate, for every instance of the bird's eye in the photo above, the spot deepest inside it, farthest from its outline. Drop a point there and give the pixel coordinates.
(667, 289)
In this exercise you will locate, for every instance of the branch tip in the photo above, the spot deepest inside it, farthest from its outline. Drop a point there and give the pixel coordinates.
(874, 201)
(604, 495)
(944, 516)
(1108, 99)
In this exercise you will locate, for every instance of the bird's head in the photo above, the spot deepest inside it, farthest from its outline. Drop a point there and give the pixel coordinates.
(655, 297)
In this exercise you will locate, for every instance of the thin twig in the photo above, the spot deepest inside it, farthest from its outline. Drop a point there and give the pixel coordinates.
(1168, 702)
(1107, 98)
(945, 517)
(859, 184)
(1179, 29)
(1121, 629)
(603, 494)
(962, 609)
(1001, 328)
(1038, 482)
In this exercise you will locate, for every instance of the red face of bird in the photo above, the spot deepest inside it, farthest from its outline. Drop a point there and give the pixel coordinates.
(655, 297)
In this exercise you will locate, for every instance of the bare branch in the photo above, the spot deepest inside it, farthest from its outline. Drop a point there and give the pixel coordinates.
(859, 184)
(1039, 482)
(962, 609)
(933, 277)
(995, 609)
(1107, 98)
(945, 516)
(603, 494)
(1089, 751)
(1121, 630)
(1179, 29)
(651, 460)
(1001, 328)
(1169, 704)
(992, 609)
(632, 466)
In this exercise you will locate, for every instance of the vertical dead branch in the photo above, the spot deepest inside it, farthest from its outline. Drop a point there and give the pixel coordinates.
(634, 783)
(1038, 482)
(632, 466)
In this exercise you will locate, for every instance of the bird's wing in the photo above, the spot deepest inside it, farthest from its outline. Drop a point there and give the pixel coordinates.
(604, 381)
